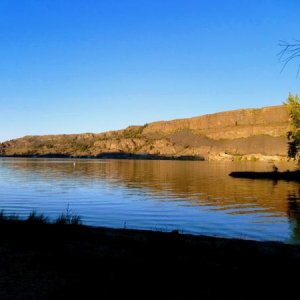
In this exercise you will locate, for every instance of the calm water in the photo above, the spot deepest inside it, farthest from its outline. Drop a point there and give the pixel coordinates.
(193, 197)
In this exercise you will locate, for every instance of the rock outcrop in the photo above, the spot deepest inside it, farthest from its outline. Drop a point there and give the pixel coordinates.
(246, 134)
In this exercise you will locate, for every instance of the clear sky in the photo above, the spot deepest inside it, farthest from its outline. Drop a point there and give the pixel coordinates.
(72, 66)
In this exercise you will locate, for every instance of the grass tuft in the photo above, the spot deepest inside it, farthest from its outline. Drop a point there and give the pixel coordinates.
(65, 219)
(68, 218)
(35, 218)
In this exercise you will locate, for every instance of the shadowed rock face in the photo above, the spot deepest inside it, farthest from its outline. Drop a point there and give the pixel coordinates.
(258, 134)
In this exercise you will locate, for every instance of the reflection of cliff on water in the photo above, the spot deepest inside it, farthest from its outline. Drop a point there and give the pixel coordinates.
(202, 183)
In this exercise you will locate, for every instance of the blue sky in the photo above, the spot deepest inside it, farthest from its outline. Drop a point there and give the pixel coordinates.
(71, 66)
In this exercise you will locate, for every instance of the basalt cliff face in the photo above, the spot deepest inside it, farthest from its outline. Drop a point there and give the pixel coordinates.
(245, 134)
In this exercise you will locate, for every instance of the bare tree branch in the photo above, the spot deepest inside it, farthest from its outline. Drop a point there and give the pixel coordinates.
(288, 53)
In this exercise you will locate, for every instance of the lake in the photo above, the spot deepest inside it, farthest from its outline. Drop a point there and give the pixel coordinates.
(195, 197)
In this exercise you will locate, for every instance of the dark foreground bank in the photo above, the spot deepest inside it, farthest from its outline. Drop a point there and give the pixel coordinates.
(59, 261)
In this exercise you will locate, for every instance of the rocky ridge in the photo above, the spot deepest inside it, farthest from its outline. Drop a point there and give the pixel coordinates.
(245, 134)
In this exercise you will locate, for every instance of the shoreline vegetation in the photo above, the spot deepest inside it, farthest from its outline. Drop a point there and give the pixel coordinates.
(67, 260)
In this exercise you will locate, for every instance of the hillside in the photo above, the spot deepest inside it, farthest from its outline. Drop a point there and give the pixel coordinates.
(245, 134)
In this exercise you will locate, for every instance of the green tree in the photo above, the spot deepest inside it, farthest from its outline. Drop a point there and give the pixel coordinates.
(293, 135)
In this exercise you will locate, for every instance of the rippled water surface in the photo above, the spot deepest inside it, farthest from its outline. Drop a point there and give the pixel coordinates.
(193, 197)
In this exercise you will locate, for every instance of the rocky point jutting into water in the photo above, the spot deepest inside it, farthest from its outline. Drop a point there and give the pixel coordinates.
(245, 134)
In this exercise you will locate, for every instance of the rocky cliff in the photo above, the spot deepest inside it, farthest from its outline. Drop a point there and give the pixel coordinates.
(246, 134)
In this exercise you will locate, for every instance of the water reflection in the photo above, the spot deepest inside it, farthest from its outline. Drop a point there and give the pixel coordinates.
(197, 186)
(195, 181)
(293, 200)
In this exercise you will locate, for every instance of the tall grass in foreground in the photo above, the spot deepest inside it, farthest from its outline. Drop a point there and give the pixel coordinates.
(66, 218)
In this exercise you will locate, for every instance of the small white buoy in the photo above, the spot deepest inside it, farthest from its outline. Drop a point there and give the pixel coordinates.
(74, 164)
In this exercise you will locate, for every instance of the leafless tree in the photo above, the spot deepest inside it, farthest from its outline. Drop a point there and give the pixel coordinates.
(289, 52)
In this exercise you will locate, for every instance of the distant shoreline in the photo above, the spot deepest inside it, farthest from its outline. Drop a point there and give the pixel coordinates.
(287, 175)
(133, 156)
(111, 156)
